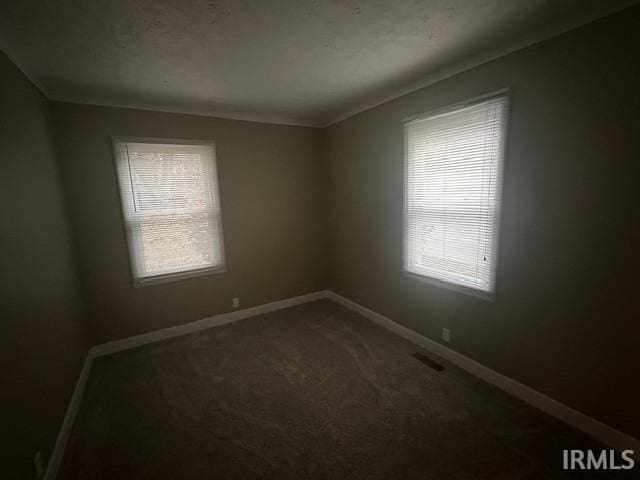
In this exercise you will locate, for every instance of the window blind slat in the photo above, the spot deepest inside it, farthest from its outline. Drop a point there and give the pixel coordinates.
(453, 170)
(171, 207)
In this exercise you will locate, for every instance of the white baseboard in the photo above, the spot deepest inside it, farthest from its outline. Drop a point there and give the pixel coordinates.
(203, 324)
(131, 342)
(595, 428)
(65, 430)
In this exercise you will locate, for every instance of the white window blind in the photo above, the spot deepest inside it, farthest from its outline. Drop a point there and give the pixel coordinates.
(452, 193)
(171, 208)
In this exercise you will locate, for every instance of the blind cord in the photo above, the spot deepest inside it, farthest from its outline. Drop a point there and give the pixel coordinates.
(133, 193)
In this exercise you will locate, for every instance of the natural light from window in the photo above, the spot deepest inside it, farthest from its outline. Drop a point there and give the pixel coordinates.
(453, 178)
(171, 208)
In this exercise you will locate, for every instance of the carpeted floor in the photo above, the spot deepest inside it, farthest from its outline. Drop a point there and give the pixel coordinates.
(314, 391)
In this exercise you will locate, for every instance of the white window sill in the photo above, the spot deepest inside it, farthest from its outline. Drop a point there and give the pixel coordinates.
(175, 277)
(481, 294)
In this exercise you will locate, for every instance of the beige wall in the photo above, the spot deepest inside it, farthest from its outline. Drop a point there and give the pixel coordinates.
(42, 335)
(305, 209)
(270, 210)
(566, 320)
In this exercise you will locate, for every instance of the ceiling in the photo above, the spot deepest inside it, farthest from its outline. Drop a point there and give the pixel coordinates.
(305, 62)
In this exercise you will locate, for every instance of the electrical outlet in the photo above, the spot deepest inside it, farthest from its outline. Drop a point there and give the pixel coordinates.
(446, 334)
(236, 302)
(37, 466)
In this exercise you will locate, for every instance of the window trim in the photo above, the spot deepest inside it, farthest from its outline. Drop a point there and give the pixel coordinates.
(186, 274)
(175, 277)
(470, 291)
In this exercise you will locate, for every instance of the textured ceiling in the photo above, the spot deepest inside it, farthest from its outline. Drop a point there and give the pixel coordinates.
(308, 62)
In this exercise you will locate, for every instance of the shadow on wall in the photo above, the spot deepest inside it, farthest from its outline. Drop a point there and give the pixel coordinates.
(568, 253)
(43, 341)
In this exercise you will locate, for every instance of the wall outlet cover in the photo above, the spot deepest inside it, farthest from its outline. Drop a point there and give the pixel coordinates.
(236, 302)
(446, 334)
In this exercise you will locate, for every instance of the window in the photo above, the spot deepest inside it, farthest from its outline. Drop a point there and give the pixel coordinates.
(452, 193)
(171, 208)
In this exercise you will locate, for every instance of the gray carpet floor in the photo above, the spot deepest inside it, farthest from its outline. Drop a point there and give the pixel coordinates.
(313, 391)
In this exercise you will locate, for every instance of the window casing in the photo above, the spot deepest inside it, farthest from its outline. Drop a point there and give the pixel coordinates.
(171, 208)
(453, 182)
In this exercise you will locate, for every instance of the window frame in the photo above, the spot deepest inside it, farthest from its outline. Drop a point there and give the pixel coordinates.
(467, 290)
(173, 276)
